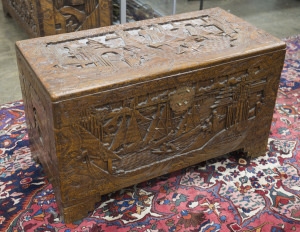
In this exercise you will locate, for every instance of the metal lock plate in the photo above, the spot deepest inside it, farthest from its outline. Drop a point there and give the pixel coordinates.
(182, 99)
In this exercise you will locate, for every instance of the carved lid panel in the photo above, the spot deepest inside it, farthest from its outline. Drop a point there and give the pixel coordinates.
(81, 63)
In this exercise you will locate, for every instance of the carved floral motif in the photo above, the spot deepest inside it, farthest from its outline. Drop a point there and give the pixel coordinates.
(73, 15)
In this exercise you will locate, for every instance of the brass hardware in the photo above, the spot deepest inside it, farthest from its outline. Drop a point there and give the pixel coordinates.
(182, 99)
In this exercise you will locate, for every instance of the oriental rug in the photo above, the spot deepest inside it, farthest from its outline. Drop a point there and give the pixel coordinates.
(230, 193)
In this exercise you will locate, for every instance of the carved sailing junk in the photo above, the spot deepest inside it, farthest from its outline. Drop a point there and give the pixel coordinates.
(174, 117)
(112, 107)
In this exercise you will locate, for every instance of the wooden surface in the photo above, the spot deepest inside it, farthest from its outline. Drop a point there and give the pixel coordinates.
(119, 56)
(50, 17)
(111, 107)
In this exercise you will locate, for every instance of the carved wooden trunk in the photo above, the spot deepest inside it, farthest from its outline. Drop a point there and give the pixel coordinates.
(50, 17)
(115, 106)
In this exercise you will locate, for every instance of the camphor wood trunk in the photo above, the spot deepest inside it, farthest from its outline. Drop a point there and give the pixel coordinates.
(110, 107)
(50, 17)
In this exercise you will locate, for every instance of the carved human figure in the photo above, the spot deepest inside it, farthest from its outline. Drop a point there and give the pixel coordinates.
(209, 126)
(215, 121)
(258, 108)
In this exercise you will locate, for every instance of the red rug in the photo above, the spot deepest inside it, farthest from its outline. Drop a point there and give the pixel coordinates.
(231, 193)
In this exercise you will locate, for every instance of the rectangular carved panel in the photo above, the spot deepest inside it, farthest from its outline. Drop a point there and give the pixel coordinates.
(50, 17)
(131, 102)
(176, 121)
(39, 120)
(25, 13)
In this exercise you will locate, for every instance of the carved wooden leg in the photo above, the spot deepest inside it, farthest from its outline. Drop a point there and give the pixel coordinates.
(257, 140)
(35, 158)
(5, 11)
(78, 211)
(256, 150)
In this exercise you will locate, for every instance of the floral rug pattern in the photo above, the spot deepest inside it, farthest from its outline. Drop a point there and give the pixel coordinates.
(230, 193)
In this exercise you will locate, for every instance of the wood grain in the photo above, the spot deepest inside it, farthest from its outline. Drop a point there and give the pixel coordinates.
(115, 106)
(50, 17)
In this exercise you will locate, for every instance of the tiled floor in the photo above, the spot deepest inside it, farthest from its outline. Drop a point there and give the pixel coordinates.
(279, 17)
(10, 32)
